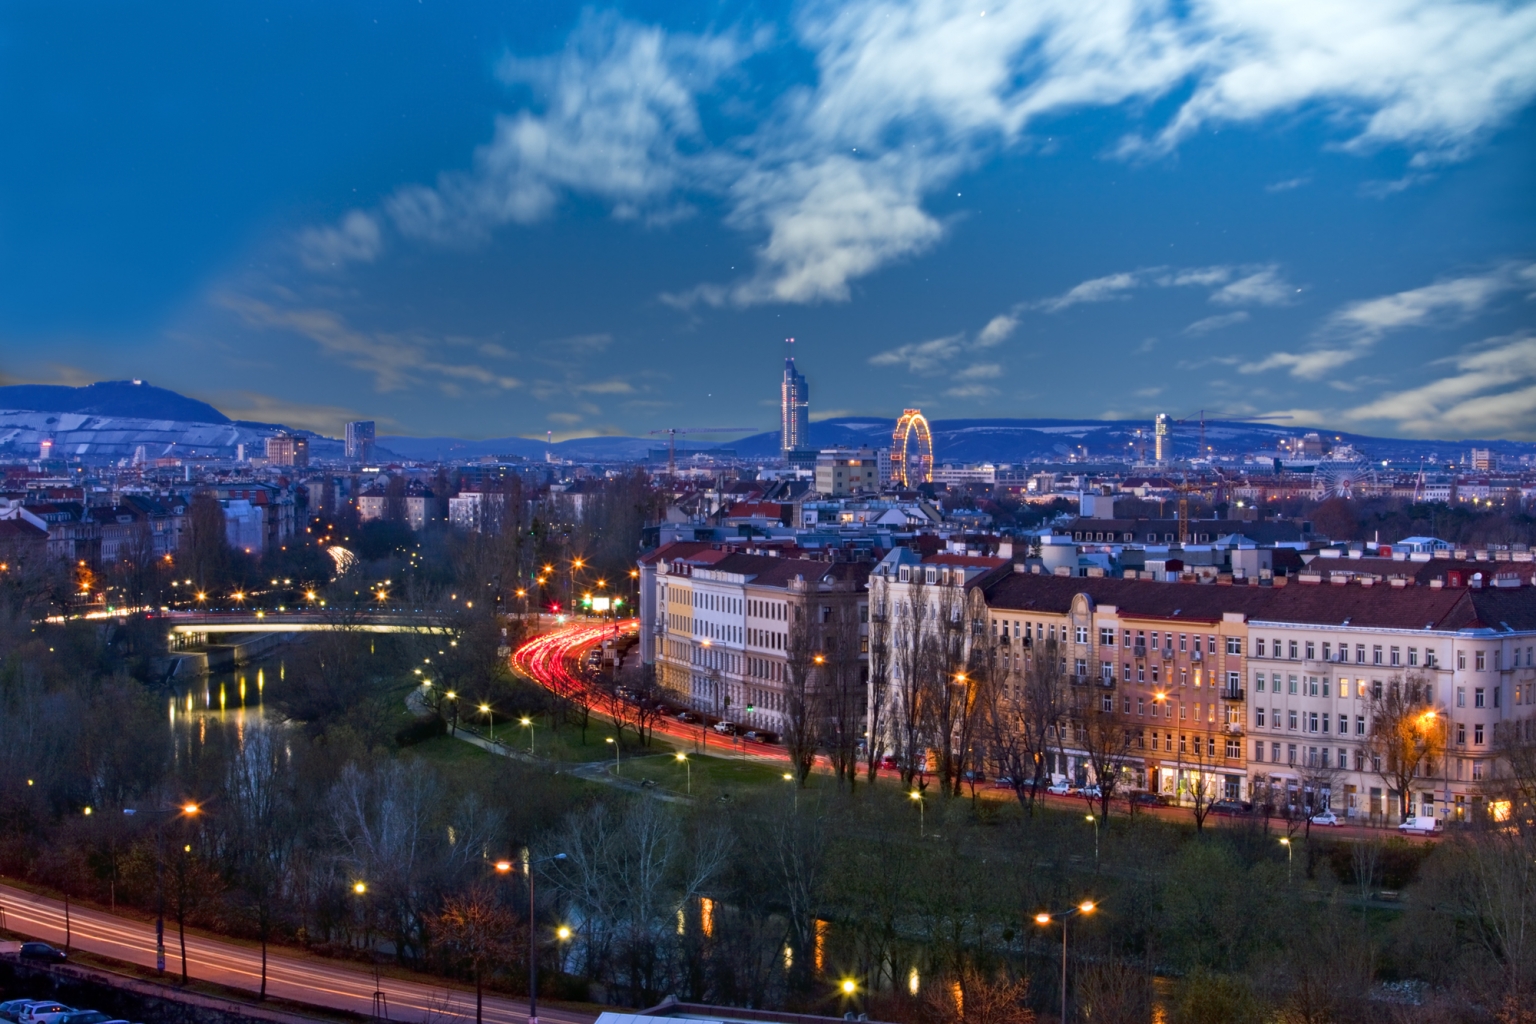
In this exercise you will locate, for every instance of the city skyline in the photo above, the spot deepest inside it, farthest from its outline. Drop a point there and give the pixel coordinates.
(480, 223)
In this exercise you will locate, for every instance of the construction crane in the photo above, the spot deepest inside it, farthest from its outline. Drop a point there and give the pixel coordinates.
(672, 433)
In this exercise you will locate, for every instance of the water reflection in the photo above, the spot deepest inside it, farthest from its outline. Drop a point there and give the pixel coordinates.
(197, 719)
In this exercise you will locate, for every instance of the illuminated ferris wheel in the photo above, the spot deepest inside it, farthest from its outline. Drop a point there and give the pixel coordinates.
(911, 462)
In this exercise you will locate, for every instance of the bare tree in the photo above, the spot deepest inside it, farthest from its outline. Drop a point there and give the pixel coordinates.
(1198, 760)
(476, 927)
(843, 694)
(912, 664)
(1105, 739)
(972, 996)
(948, 698)
(263, 829)
(1406, 736)
(879, 670)
(804, 662)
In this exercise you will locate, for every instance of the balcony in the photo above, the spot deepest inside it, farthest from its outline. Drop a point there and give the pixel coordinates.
(1140, 650)
(1234, 728)
(1195, 655)
(1233, 694)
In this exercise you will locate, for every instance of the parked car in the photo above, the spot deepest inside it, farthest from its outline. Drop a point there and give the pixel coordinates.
(1093, 792)
(89, 1017)
(1231, 808)
(43, 1013)
(11, 1009)
(888, 763)
(1420, 826)
(1146, 799)
(1061, 788)
(42, 951)
(1325, 818)
(687, 716)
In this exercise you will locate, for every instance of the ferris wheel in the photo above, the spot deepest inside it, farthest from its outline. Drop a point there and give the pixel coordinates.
(1346, 476)
(912, 450)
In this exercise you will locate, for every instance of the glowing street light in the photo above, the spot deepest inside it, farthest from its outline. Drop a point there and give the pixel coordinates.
(527, 723)
(917, 795)
(689, 766)
(1044, 918)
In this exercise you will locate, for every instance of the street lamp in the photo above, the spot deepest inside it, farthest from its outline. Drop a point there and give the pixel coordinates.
(1095, 823)
(505, 867)
(615, 743)
(917, 795)
(1287, 844)
(688, 765)
(1043, 918)
(188, 809)
(527, 723)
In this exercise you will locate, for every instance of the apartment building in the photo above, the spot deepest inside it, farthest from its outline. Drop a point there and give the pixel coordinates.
(1167, 658)
(723, 623)
(1323, 654)
(1273, 692)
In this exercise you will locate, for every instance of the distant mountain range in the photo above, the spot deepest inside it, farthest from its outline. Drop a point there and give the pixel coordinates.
(111, 419)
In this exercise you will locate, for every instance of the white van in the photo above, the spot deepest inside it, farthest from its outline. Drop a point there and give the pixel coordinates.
(1420, 826)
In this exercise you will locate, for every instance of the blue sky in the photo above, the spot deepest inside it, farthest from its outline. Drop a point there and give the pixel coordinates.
(484, 220)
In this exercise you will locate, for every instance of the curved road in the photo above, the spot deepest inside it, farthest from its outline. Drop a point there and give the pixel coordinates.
(297, 979)
(553, 661)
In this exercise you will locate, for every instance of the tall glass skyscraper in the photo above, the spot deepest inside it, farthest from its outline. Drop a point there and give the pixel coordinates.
(795, 401)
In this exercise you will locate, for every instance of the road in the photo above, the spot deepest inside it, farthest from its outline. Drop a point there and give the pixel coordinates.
(294, 978)
(552, 660)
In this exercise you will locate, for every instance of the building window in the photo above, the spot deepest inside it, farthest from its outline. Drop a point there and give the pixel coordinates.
(1359, 654)
(1482, 660)
(1290, 718)
(1274, 717)
(1258, 682)
(1376, 654)
(1258, 750)
(1477, 770)
(1258, 718)
(1108, 704)
(1413, 657)
(1461, 661)
(1311, 651)
(1106, 637)
(1293, 650)
(1359, 725)
(1291, 684)
(1461, 696)
(1312, 722)
(1461, 733)
(1258, 648)
(1290, 753)
(1429, 659)
(1141, 706)
(1477, 697)
(1477, 734)
(1082, 634)
(1396, 657)
(1183, 745)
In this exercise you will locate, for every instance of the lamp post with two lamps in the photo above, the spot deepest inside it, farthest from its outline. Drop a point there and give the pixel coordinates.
(529, 863)
(188, 810)
(1044, 918)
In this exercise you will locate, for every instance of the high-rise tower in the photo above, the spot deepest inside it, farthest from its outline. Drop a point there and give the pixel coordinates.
(795, 401)
(1164, 442)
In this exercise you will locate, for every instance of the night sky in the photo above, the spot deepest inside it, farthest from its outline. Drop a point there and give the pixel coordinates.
(492, 219)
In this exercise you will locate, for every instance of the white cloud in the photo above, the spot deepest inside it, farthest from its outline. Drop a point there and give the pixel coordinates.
(1353, 331)
(1454, 299)
(1263, 288)
(980, 371)
(1216, 323)
(396, 360)
(924, 356)
(997, 331)
(1488, 391)
(1099, 289)
(970, 391)
(1253, 285)
(356, 238)
(1289, 184)
(907, 95)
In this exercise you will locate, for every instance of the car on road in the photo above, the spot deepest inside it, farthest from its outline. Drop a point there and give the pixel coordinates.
(1420, 826)
(42, 951)
(687, 716)
(725, 728)
(1061, 788)
(1231, 808)
(1325, 818)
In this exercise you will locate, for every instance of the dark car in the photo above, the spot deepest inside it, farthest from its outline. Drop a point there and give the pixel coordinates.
(1145, 799)
(88, 1017)
(42, 951)
(1231, 808)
